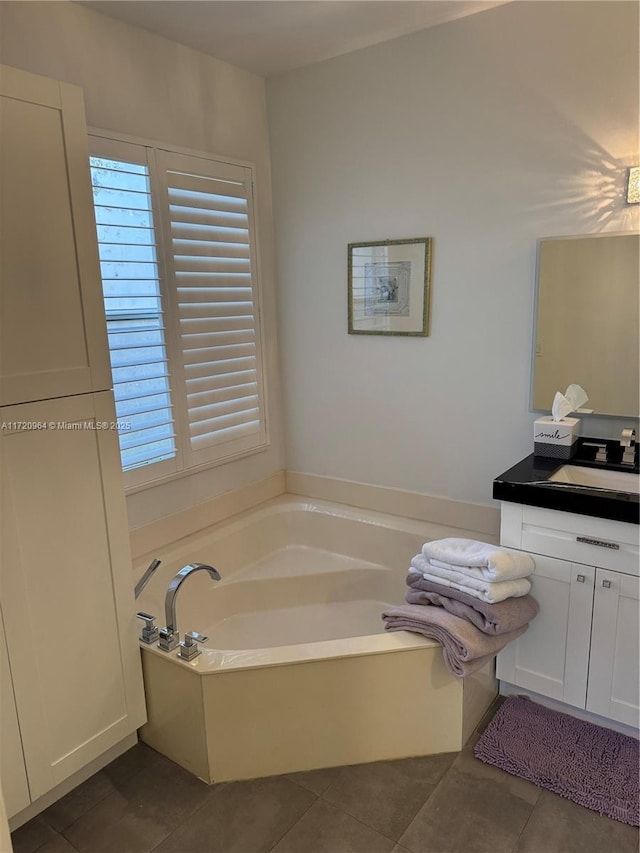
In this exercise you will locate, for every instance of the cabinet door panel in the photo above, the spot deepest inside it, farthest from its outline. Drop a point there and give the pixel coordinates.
(53, 339)
(70, 631)
(13, 775)
(552, 657)
(614, 683)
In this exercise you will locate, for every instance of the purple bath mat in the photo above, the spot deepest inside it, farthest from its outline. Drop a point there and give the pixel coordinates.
(593, 766)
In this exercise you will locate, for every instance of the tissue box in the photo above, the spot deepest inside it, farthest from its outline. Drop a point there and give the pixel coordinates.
(557, 439)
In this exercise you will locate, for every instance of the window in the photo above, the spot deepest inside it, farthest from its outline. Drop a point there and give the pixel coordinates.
(133, 307)
(177, 255)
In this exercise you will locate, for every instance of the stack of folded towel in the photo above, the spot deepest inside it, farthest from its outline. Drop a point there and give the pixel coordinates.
(472, 597)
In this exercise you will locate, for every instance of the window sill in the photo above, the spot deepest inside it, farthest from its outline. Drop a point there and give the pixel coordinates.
(196, 469)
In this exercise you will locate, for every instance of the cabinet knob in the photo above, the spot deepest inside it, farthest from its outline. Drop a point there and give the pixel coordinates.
(581, 578)
(606, 584)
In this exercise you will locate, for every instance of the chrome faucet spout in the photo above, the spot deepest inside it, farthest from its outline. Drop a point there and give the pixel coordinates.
(174, 586)
(146, 577)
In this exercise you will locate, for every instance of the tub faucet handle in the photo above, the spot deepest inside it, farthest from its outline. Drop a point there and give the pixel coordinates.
(189, 647)
(194, 637)
(149, 633)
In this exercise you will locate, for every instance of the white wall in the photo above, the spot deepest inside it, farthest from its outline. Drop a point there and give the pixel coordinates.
(485, 134)
(143, 85)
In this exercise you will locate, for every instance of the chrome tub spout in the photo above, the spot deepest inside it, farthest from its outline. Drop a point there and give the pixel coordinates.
(174, 586)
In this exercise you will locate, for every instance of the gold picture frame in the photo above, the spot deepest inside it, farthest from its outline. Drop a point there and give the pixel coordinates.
(389, 287)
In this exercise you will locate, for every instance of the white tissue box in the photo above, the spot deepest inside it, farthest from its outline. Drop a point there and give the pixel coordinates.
(557, 439)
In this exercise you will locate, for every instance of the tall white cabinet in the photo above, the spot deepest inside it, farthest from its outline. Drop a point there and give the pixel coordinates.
(71, 677)
(583, 648)
(52, 329)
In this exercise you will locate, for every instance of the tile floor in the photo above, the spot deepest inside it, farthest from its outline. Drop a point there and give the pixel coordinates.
(449, 803)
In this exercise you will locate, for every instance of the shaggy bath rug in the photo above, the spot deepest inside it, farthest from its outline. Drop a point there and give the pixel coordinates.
(593, 766)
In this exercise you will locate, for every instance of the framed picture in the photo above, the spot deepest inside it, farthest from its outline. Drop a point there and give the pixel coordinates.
(389, 287)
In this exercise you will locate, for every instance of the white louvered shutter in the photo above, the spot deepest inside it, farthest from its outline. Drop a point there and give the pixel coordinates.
(133, 307)
(211, 260)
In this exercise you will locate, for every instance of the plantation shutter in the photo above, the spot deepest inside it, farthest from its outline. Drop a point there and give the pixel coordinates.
(210, 245)
(133, 306)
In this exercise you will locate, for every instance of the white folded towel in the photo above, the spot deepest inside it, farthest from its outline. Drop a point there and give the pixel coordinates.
(519, 570)
(494, 564)
(490, 591)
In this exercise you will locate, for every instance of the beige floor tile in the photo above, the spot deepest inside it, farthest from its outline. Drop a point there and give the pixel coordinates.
(561, 826)
(67, 810)
(386, 795)
(471, 811)
(242, 817)
(316, 781)
(326, 829)
(32, 835)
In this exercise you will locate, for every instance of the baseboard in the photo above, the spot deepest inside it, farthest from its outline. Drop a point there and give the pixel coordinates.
(164, 531)
(467, 516)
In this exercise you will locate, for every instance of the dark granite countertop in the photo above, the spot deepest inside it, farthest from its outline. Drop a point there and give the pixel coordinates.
(525, 483)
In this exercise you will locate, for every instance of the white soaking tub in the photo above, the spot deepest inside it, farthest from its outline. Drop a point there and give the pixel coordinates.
(297, 672)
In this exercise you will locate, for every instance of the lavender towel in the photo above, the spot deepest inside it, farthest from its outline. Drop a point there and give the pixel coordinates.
(465, 648)
(500, 618)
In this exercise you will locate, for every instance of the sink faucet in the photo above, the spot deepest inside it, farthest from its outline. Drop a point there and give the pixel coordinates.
(628, 443)
(146, 577)
(169, 635)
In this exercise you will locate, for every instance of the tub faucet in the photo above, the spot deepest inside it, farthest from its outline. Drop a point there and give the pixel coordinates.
(146, 577)
(169, 636)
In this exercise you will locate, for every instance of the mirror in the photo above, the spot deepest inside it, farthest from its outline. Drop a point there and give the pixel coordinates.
(587, 322)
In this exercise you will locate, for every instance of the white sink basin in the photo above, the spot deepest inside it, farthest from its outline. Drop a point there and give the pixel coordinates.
(597, 478)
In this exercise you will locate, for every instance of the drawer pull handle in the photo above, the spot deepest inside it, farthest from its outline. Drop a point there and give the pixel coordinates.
(581, 578)
(601, 543)
(606, 584)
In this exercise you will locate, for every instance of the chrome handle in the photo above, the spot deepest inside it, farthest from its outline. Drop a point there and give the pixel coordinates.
(601, 543)
(601, 455)
(149, 633)
(581, 578)
(189, 647)
(193, 637)
(606, 584)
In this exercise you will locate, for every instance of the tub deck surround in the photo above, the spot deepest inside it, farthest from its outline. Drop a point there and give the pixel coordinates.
(298, 672)
(527, 483)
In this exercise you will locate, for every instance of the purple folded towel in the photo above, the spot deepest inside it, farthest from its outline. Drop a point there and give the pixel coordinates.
(465, 648)
(499, 618)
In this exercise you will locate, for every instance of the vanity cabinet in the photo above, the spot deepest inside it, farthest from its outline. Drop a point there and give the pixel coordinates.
(613, 669)
(552, 658)
(582, 648)
(52, 331)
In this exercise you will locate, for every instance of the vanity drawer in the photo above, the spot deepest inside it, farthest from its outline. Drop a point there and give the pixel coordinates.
(577, 538)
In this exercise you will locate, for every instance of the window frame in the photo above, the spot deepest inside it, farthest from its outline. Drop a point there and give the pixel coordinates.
(104, 143)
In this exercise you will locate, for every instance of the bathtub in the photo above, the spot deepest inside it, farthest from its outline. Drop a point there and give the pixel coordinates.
(297, 672)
